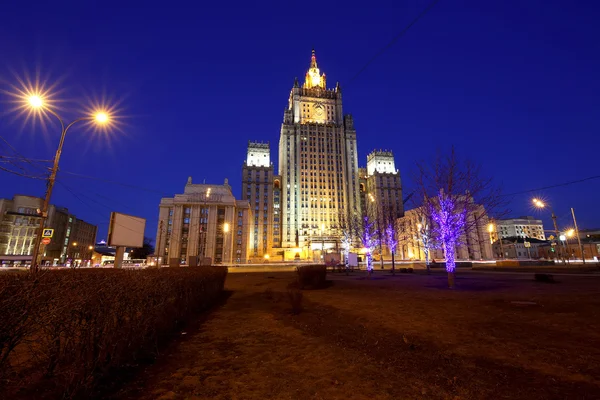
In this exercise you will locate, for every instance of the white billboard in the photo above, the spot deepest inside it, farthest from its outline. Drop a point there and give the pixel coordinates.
(126, 230)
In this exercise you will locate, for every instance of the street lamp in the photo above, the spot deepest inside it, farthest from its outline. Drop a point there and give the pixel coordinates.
(577, 233)
(37, 102)
(540, 204)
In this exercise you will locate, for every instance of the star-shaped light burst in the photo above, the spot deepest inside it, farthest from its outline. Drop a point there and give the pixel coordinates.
(32, 100)
(104, 116)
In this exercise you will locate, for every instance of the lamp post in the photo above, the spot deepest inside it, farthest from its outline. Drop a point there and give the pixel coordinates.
(36, 102)
(540, 204)
(577, 233)
(563, 239)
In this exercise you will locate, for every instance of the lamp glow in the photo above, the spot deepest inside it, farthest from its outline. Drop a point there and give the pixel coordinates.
(35, 101)
(101, 117)
(570, 232)
(225, 227)
(491, 228)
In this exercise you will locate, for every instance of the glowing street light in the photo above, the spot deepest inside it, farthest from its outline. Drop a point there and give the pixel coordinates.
(570, 232)
(225, 227)
(40, 102)
(101, 117)
(538, 203)
(35, 101)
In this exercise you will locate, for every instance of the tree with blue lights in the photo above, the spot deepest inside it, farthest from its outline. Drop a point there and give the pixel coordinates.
(369, 240)
(457, 199)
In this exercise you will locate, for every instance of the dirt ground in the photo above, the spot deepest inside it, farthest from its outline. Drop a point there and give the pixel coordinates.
(497, 336)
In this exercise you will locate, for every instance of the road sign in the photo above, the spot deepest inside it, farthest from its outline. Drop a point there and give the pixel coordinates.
(47, 233)
(46, 240)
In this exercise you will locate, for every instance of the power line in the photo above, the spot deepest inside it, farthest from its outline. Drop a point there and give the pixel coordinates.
(91, 208)
(395, 38)
(553, 186)
(27, 160)
(22, 174)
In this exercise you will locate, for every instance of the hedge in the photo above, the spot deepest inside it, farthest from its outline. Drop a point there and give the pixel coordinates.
(62, 333)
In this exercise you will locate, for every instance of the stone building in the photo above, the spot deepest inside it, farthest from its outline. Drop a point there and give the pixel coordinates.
(384, 187)
(412, 228)
(71, 240)
(204, 225)
(525, 227)
(318, 164)
(262, 189)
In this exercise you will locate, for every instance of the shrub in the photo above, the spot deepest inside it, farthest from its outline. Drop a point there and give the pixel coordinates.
(312, 276)
(410, 270)
(66, 331)
(403, 270)
(295, 299)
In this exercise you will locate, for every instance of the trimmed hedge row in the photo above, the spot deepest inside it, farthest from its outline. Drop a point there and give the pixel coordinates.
(64, 332)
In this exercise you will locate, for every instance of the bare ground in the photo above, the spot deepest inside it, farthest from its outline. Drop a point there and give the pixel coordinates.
(401, 337)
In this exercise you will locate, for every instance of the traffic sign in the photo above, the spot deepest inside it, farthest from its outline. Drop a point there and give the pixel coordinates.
(46, 240)
(47, 233)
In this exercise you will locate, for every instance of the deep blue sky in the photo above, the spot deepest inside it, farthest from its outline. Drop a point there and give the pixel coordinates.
(513, 84)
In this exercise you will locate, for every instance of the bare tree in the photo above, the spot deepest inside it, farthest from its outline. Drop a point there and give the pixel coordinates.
(457, 199)
(392, 242)
(424, 228)
(349, 228)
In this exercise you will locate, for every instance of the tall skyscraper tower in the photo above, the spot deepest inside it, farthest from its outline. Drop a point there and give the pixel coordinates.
(318, 163)
(258, 184)
(384, 187)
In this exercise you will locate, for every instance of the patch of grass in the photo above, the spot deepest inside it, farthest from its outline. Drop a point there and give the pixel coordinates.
(312, 276)
(546, 278)
(295, 300)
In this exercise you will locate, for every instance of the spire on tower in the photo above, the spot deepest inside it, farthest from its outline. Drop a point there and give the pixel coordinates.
(313, 60)
(314, 78)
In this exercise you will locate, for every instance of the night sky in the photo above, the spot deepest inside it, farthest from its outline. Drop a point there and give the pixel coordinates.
(513, 85)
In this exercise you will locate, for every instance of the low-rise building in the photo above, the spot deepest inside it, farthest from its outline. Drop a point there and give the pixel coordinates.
(72, 240)
(570, 250)
(518, 248)
(411, 232)
(524, 227)
(205, 224)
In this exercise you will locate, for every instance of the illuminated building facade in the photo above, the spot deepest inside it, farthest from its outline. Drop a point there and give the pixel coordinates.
(261, 188)
(318, 164)
(384, 187)
(72, 240)
(475, 243)
(204, 225)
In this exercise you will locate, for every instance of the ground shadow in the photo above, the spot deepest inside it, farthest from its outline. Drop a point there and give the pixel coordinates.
(117, 385)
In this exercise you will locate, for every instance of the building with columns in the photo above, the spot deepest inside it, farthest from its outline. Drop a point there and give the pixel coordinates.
(318, 164)
(204, 225)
